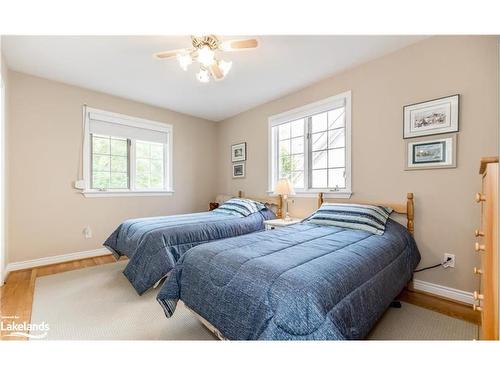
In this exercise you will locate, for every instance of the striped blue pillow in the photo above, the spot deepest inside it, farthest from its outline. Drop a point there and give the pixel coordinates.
(240, 207)
(354, 216)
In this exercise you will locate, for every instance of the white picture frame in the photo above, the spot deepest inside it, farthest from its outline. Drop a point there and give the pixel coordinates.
(438, 116)
(431, 152)
(238, 170)
(239, 152)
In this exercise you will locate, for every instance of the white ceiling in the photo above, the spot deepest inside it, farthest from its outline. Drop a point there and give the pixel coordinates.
(123, 66)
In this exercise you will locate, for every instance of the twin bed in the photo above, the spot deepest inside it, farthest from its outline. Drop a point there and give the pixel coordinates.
(303, 282)
(155, 244)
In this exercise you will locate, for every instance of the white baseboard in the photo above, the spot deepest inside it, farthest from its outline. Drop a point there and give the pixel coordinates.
(444, 291)
(16, 266)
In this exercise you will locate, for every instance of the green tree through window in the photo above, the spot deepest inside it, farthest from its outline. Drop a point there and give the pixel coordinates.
(286, 164)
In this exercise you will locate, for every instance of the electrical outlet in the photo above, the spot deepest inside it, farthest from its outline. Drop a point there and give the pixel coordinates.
(451, 263)
(87, 232)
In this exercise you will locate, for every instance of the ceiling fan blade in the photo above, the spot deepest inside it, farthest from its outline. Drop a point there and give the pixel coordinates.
(237, 44)
(216, 72)
(171, 53)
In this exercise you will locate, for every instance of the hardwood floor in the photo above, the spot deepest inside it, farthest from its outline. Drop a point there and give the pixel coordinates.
(16, 299)
(16, 296)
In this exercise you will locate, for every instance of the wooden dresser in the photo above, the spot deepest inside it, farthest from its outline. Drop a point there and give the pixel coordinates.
(486, 298)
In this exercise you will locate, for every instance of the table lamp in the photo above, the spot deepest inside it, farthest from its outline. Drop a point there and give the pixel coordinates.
(285, 188)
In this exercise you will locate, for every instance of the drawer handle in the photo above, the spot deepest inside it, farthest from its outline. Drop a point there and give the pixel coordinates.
(479, 247)
(477, 271)
(477, 307)
(478, 233)
(480, 197)
(478, 296)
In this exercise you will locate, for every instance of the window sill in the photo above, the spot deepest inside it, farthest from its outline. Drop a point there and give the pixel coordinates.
(110, 194)
(314, 194)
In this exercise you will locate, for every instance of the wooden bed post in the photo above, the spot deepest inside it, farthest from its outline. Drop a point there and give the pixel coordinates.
(279, 211)
(240, 194)
(410, 212)
(320, 199)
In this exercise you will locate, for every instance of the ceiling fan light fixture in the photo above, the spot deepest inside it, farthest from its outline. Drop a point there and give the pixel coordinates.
(203, 76)
(206, 51)
(184, 60)
(206, 56)
(225, 66)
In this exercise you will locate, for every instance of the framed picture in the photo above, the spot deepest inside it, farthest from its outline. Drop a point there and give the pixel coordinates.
(239, 152)
(238, 170)
(431, 152)
(436, 116)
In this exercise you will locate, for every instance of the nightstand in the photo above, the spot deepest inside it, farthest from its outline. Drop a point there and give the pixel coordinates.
(278, 223)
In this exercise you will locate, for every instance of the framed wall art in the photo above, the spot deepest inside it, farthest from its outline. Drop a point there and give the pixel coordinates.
(238, 170)
(431, 152)
(239, 152)
(438, 116)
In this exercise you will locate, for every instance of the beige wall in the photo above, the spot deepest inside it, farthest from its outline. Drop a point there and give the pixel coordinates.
(446, 214)
(46, 215)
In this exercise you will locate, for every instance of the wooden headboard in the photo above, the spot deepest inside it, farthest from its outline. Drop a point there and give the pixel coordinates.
(407, 208)
(274, 201)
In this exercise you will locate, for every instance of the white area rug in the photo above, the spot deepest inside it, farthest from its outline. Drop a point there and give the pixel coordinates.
(98, 303)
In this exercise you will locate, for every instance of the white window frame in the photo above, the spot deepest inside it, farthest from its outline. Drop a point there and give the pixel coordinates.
(305, 111)
(121, 119)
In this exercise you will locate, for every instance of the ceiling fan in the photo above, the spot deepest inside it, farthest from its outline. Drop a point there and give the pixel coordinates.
(206, 51)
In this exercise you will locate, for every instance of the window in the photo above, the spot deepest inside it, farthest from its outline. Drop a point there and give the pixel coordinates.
(125, 155)
(109, 162)
(311, 147)
(149, 165)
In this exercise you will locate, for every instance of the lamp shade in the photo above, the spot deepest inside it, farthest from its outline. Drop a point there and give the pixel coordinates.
(284, 187)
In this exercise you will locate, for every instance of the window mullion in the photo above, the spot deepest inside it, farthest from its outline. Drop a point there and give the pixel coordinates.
(150, 166)
(131, 163)
(327, 156)
(307, 153)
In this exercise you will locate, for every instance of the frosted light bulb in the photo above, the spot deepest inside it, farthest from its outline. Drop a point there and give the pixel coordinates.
(184, 61)
(206, 56)
(225, 66)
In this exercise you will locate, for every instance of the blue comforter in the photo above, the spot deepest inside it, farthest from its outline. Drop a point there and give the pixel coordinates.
(155, 244)
(302, 282)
